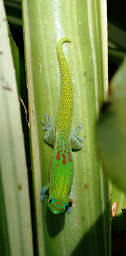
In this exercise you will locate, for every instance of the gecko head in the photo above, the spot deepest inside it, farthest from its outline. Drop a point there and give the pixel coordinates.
(57, 206)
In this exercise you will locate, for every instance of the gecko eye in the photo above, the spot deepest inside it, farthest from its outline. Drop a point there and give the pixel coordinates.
(66, 206)
(51, 200)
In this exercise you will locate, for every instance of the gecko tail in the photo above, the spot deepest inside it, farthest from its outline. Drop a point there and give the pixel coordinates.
(64, 69)
(64, 118)
(62, 41)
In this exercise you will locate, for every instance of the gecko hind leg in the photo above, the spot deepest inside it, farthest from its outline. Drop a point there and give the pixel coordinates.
(76, 141)
(49, 136)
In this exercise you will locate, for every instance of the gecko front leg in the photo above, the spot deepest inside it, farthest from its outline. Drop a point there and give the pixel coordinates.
(49, 136)
(45, 191)
(76, 141)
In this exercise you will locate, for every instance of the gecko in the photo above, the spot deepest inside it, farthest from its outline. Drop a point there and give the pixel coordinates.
(62, 165)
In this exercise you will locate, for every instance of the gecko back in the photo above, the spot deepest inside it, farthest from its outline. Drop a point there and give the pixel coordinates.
(62, 165)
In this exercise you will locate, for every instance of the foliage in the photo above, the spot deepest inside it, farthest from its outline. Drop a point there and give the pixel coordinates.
(28, 228)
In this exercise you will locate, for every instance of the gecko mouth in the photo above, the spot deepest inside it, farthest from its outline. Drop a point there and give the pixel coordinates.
(57, 206)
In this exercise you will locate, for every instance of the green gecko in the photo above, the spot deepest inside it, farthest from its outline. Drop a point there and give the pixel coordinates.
(62, 166)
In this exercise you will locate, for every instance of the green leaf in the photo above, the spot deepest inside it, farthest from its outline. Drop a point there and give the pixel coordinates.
(84, 22)
(15, 218)
(112, 131)
(119, 198)
(116, 55)
(14, 12)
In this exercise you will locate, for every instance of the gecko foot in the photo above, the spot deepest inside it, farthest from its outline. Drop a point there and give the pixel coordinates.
(76, 141)
(44, 192)
(48, 123)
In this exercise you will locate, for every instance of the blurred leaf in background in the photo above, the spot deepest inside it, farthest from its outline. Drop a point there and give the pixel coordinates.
(112, 130)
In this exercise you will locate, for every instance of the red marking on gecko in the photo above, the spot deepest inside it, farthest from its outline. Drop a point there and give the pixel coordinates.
(55, 207)
(61, 200)
(57, 164)
(64, 159)
(69, 155)
(64, 156)
(58, 155)
(59, 147)
(58, 203)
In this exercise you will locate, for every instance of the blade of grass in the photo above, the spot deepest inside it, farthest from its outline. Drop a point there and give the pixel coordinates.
(14, 13)
(15, 230)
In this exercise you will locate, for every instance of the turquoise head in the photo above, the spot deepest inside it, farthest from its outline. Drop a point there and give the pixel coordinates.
(58, 206)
